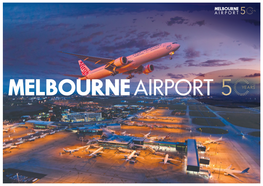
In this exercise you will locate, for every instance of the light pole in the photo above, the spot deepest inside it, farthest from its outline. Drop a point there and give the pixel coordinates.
(219, 170)
(17, 177)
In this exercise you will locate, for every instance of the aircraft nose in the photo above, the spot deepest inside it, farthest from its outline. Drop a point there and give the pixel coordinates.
(177, 46)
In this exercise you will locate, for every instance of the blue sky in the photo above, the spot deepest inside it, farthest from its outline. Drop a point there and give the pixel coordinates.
(33, 35)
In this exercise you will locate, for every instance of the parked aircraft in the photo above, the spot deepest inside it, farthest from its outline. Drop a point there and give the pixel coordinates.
(167, 160)
(76, 149)
(96, 152)
(52, 132)
(132, 156)
(132, 64)
(231, 172)
(212, 141)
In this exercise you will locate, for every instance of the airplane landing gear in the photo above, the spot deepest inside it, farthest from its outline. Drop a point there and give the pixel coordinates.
(130, 76)
(171, 54)
(114, 72)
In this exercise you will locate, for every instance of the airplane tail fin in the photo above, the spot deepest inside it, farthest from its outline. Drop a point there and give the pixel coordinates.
(83, 68)
(245, 171)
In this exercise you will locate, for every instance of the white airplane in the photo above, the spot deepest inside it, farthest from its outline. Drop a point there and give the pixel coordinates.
(76, 149)
(124, 150)
(70, 150)
(231, 172)
(5, 146)
(125, 133)
(160, 138)
(43, 135)
(92, 140)
(97, 152)
(167, 160)
(10, 146)
(32, 138)
(52, 132)
(19, 142)
(147, 135)
(6, 130)
(132, 156)
(125, 65)
(39, 130)
(212, 141)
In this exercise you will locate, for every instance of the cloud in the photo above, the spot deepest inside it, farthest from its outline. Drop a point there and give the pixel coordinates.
(31, 63)
(175, 76)
(253, 75)
(189, 61)
(88, 38)
(178, 66)
(244, 59)
(55, 40)
(199, 74)
(211, 63)
(226, 76)
(87, 26)
(30, 41)
(160, 34)
(191, 53)
(177, 20)
(252, 21)
(52, 27)
(200, 23)
(161, 67)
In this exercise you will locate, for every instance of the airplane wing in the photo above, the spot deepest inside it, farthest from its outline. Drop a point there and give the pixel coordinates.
(136, 71)
(234, 176)
(96, 60)
(170, 159)
(77, 76)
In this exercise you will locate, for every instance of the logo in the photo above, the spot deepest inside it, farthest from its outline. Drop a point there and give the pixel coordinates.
(233, 10)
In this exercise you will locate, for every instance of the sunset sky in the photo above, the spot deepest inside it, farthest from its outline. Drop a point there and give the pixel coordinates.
(33, 35)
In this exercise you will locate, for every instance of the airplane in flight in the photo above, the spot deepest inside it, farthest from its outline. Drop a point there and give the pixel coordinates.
(167, 160)
(97, 152)
(129, 65)
(231, 172)
(212, 141)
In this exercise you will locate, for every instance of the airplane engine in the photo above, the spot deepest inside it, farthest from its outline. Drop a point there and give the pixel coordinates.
(120, 61)
(148, 69)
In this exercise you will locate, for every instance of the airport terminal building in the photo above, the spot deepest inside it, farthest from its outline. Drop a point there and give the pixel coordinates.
(81, 117)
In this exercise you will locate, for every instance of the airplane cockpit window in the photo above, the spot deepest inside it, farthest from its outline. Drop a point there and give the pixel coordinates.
(174, 42)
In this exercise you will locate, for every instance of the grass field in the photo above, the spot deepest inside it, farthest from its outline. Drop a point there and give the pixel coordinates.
(247, 120)
(198, 107)
(212, 130)
(208, 122)
(202, 114)
(256, 133)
